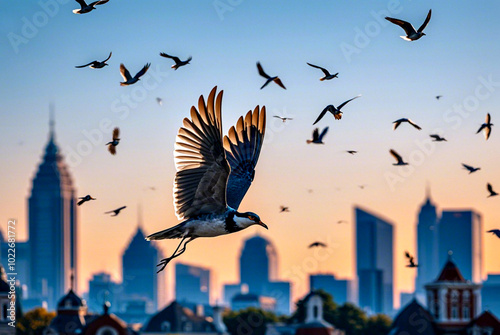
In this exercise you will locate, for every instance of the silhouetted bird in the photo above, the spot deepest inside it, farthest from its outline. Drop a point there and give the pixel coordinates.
(437, 138)
(284, 209)
(116, 211)
(341, 221)
(327, 76)
(159, 101)
(411, 260)
(88, 8)
(284, 119)
(352, 152)
(269, 78)
(317, 138)
(489, 187)
(469, 168)
(178, 62)
(213, 175)
(438, 97)
(85, 199)
(116, 140)
(336, 111)
(495, 232)
(96, 64)
(486, 127)
(399, 121)
(317, 244)
(129, 80)
(398, 158)
(411, 34)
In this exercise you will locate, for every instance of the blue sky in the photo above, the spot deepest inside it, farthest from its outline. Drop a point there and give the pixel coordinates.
(396, 79)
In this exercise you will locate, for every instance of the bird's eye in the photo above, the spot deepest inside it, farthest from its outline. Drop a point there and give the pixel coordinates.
(251, 217)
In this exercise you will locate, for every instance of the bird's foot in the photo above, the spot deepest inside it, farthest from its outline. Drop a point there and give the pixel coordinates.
(163, 263)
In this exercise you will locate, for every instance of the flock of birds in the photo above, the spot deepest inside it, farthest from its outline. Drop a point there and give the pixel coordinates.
(214, 172)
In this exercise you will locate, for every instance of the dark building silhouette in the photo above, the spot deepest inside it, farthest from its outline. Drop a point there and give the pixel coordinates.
(192, 284)
(339, 289)
(52, 227)
(374, 262)
(491, 293)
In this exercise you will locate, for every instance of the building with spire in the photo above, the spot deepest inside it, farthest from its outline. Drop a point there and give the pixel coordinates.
(427, 245)
(52, 223)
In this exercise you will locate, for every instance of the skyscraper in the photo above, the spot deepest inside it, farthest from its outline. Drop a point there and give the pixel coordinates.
(140, 280)
(374, 262)
(52, 227)
(461, 232)
(427, 246)
(339, 289)
(101, 289)
(258, 263)
(192, 284)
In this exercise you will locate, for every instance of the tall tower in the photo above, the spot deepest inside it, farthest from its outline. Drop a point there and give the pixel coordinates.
(374, 262)
(52, 226)
(427, 246)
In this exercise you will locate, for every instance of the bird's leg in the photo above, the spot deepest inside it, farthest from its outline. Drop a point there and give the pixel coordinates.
(165, 261)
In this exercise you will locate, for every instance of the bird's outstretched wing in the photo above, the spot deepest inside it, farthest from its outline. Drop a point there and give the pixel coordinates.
(104, 61)
(81, 3)
(124, 72)
(79, 203)
(242, 145)
(278, 81)
(490, 188)
(325, 71)
(346, 102)
(82, 66)
(100, 2)
(323, 112)
(414, 124)
(408, 28)
(176, 59)
(116, 133)
(112, 149)
(261, 71)
(427, 19)
(143, 71)
(323, 133)
(467, 167)
(396, 155)
(200, 161)
(488, 118)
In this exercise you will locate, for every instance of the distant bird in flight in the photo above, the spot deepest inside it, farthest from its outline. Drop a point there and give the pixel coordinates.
(327, 76)
(116, 211)
(88, 8)
(399, 121)
(471, 169)
(352, 152)
(398, 158)
(495, 232)
(489, 187)
(438, 97)
(129, 80)
(411, 34)
(411, 260)
(437, 138)
(178, 62)
(317, 138)
(213, 174)
(341, 221)
(116, 140)
(486, 127)
(85, 199)
(284, 209)
(317, 244)
(284, 119)
(336, 111)
(96, 64)
(269, 78)
(362, 186)
(159, 101)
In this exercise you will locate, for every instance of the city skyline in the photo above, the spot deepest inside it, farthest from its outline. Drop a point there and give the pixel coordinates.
(225, 47)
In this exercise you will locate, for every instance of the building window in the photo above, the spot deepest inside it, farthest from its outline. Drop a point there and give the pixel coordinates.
(454, 304)
(466, 312)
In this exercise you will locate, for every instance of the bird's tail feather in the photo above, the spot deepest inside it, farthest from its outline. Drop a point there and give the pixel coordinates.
(172, 232)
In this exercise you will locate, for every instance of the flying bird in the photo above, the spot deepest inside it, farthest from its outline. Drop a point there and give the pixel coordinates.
(213, 174)
(284, 119)
(96, 64)
(352, 152)
(398, 158)
(159, 101)
(284, 209)
(317, 138)
(489, 187)
(129, 80)
(437, 138)
(495, 232)
(469, 168)
(84, 199)
(178, 62)
(317, 244)
(438, 97)
(334, 110)
(269, 78)
(327, 76)
(411, 260)
(116, 211)
(116, 140)
(486, 127)
(341, 221)
(88, 8)
(399, 121)
(411, 34)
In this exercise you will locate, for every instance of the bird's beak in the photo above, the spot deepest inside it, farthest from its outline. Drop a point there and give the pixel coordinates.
(260, 223)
